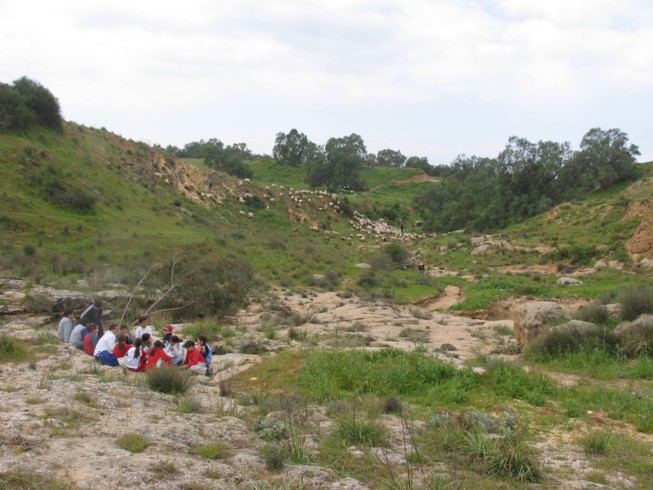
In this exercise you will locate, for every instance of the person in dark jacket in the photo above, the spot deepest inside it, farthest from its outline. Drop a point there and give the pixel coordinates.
(93, 313)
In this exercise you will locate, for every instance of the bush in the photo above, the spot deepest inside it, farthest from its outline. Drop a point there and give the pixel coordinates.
(274, 456)
(212, 451)
(355, 430)
(133, 442)
(170, 379)
(14, 113)
(40, 101)
(594, 312)
(11, 348)
(397, 252)
(635, 301)
(596, 443)
(568, 340)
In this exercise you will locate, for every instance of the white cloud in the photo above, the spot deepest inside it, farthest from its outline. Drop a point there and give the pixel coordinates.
(141, 64)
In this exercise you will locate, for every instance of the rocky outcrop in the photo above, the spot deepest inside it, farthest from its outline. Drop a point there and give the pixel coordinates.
(536, 318)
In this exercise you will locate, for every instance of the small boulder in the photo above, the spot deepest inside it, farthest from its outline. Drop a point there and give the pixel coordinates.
(535, 318)
(643, 322)
(569, 281)
(363, 266)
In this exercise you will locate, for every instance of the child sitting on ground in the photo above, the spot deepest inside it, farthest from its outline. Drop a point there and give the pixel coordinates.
(90, 339)
(136, 357)
(156, 356)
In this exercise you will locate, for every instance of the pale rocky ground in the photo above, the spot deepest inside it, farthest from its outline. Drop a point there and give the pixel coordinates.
(61, 417)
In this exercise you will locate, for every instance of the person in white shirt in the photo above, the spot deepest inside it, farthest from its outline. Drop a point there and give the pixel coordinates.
(143, 327)
(103, 352)
(175, 350)
(136, 357)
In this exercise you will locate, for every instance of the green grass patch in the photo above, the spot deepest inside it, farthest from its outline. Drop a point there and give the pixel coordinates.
(215, 450)
(11, 349)
(132, 442)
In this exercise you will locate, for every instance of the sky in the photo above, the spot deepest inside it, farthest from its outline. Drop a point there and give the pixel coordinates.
(430, 78)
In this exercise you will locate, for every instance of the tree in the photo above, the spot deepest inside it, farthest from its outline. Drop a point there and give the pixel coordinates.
(604, 159)
(390, 158)
(291, 148)
(14, 113)
(230, 159)
(41, 102)
(339, 165)
(530, 175)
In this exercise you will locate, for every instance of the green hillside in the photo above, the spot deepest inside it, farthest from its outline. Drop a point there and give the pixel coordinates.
(90, 204)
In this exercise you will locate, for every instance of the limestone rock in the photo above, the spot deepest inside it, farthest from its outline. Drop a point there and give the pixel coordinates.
(629, 328)
(535, 318)
(569, 281)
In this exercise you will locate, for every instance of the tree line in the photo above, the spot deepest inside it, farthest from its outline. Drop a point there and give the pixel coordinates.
(27, 102)
(335, 165)
(525, 179)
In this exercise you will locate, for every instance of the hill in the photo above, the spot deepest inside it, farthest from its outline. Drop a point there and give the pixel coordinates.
(337, 366)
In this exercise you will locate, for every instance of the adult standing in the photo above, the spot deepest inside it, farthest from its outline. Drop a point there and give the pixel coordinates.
(93, 313)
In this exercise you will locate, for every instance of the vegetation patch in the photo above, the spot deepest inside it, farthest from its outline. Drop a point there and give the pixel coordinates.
(170, 379)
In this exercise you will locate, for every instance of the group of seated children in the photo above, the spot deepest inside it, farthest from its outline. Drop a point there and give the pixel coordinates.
(117, 348)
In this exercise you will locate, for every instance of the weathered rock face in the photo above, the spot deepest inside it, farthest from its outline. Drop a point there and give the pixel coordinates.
(642, 241)
(535, 318)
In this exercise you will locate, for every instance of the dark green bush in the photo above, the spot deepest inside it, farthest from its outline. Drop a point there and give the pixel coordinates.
(14, 113)
(41, 103)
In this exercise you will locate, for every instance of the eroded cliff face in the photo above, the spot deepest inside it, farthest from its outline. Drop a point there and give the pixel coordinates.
(641, 244)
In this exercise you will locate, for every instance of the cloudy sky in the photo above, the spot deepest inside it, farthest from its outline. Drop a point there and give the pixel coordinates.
(432, 78)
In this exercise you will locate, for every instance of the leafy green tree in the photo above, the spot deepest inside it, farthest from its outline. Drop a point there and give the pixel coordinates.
(41, 103)
(230, 159)
(14, 113)
(390, 158)
(291, 149)
(605, 158)
(338, 166)
(529, 175)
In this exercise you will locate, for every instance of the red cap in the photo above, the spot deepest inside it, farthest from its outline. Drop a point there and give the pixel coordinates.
(167, 328)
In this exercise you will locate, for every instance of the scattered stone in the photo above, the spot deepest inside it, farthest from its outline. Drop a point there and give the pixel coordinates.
(569, 281)
(363, 266)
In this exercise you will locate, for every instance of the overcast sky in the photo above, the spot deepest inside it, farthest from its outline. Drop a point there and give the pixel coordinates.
(433, 78)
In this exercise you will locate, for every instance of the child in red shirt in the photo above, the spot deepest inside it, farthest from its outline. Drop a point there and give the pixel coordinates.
(157, 356)
(90, 339)
(194, 361)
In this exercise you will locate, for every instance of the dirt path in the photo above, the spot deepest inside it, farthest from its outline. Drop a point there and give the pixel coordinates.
(451, 296)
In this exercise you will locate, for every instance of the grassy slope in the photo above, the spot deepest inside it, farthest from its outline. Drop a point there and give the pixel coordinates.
(139, 219)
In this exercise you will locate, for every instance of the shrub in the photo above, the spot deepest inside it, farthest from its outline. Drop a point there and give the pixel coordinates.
(170, 379)
(274, 456)
(213, 451)
(636, 300)
(392, 405)
(271, 430)
(133, 442)
(11, 348)
(596, 443)
(252, 346)
(189, 404)
(356, 430)
(14, 113)
(594, 312)
(567, 340)
(41, 103)
(513, 458)
(397, 252)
